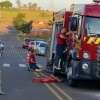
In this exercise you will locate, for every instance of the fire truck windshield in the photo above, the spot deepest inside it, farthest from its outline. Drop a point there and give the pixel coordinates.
(92, 25)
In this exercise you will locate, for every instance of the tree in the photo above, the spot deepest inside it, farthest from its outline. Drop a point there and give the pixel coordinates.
(27, 27)
(30, 5)
(5, 4)
(21, 25)
(25, 6)
(18, 2)
(34, 6)
(19, 21)
(50, 23)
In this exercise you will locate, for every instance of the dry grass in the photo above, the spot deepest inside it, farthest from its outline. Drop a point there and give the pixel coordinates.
(7, 16)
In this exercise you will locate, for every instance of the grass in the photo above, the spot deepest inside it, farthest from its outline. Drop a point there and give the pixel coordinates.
(9, 14)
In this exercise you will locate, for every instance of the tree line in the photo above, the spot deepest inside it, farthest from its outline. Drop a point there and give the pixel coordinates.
(19, 21)
(6, 4)
(30, 5)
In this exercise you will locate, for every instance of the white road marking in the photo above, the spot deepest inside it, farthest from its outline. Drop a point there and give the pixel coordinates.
(22, 65)
(6, 65)
(97, 95)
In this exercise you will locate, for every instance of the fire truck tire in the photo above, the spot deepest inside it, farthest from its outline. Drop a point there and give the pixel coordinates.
(71, 82)
(55, 71)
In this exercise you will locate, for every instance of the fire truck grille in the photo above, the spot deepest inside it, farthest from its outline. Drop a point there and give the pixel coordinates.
(98, 62)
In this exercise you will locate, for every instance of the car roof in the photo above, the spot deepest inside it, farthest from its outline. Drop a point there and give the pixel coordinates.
(32, 41)
(41, 41)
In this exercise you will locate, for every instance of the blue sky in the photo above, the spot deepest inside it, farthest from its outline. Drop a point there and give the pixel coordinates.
(54, 4)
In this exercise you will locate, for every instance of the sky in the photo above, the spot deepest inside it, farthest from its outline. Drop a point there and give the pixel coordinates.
(54, 4)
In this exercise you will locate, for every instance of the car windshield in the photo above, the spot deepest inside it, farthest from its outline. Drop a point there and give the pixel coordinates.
(37, 43)
(92, 25)
(42, 45)
(32, 42)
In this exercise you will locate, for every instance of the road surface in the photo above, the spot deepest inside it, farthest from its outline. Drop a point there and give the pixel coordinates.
(17, 81)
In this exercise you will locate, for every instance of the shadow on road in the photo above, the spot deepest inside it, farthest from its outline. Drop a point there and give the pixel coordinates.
(89, 85)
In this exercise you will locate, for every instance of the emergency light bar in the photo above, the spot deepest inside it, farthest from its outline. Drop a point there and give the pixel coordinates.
(97, 1)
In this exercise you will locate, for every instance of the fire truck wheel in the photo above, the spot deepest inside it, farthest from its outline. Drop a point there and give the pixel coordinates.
(70, 81)
(55, 71)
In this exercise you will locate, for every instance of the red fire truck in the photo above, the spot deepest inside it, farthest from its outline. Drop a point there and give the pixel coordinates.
(85, 19)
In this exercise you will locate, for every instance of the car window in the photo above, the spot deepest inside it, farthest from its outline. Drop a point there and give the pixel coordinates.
(37, 43)
(32, 43)
(42, 45)
(27, 40)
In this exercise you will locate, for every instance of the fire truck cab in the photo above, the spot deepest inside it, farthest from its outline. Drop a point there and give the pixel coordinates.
(85, 19)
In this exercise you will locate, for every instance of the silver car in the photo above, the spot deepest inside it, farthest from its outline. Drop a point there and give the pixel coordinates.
(41, 48)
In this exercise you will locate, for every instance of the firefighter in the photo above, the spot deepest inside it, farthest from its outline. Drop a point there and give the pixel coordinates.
(72, 42)
(60, 46)
(31, 60)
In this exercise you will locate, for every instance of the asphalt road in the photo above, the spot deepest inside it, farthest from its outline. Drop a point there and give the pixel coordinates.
(17, 81)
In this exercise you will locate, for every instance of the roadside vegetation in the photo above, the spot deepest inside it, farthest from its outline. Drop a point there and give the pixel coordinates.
(20, 16)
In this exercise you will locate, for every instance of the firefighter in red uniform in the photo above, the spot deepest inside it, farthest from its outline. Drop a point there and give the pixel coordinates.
(31, 60)
(71, 41)
(60, 47)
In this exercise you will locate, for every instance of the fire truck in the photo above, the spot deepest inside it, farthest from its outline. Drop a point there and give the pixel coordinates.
(85, 19)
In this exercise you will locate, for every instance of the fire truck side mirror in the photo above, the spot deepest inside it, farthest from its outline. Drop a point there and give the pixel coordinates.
(74, 21)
